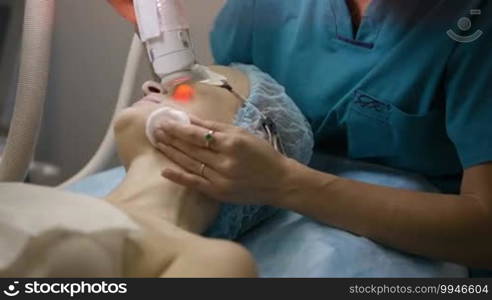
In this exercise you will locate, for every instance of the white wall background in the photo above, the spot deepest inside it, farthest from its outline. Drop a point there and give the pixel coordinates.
(91, 43)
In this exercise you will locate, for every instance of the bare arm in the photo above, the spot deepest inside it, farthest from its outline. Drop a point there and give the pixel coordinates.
(447, 227)
(450, 227)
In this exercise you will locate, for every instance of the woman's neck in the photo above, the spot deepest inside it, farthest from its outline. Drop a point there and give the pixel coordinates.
(145, 191)
(358, 9)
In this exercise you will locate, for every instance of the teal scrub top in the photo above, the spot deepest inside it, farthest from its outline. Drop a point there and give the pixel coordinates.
(398, 91)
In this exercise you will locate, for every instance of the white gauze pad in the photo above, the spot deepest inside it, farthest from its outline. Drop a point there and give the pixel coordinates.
(164, 114)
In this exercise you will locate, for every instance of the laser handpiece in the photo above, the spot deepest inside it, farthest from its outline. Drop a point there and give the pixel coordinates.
(165, 30)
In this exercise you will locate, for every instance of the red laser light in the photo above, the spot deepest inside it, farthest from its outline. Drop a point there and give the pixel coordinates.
(183, 93)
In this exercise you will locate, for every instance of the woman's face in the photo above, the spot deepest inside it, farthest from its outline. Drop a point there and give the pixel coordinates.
(208, 102)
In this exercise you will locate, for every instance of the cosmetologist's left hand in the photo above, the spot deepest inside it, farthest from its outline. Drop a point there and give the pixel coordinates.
(231, 166)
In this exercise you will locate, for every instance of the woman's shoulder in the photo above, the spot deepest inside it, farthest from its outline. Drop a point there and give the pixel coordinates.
(236, 78)
(205, 257)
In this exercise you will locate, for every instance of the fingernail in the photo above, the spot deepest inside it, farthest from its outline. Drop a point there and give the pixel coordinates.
(160, 134)
(163, 124)
(166, 172)
(167, 124)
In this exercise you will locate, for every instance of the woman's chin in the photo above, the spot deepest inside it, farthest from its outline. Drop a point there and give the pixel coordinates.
(123, 120)
(129, 131)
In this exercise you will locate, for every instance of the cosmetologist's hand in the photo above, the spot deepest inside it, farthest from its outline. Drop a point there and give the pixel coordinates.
(224, 162)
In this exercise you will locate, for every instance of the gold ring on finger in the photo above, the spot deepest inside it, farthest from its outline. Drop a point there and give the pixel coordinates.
(202, 170)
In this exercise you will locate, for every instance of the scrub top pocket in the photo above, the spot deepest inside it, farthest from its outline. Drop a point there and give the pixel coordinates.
(417, 136)
(379, 129)
(369, 130)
